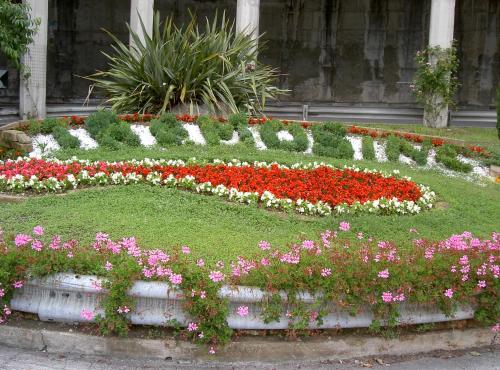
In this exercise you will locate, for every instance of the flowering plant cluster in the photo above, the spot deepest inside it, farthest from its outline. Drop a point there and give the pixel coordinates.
(342, 269)
(314, 188)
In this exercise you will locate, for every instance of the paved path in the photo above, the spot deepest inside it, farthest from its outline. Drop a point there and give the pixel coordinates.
(16, 359)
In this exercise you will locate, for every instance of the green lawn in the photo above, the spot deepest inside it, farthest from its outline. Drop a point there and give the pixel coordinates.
(217, 229)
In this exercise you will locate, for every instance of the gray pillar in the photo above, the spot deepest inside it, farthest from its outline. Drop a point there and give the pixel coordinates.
(440, 34)
(247, 17)
(141, 9)
(32, 90)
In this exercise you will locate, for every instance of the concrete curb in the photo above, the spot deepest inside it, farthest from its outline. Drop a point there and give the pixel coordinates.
(245, 349)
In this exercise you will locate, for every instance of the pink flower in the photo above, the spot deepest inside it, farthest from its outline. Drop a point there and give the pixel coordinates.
(101, 237)
(216, 276)
(123, 309)
(175, 279)
(108, 266)
(21, 240)
(413, 230)
(97, 285)
(18, 284)
(481, 284)
(387, 297)
(200, 263)
(185, 249)
(326, 272)
(307, 244)
(37, 245)
(264, 245)
(264, 262)
(192, 326)
(2, 292)
(448, 293)
(38, 230)
(203, 294)
(495, 328)
(242, 311)
(360, 235)
(6, 310)
(399, 298)
(87, 314)
(344, 226)
(211, 351)
(384, 274)
(201, 335)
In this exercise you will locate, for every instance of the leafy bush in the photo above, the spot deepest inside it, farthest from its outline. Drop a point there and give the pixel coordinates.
(185, 65)
(330, 141)
(214, 131)
(64, 138)
(17, 29)
(393, 148)
(99, 121)
(107, 129)
(239, 122)
(270, 129)
(368, 148)
(419, 156)
(167, 130)
(447, 155)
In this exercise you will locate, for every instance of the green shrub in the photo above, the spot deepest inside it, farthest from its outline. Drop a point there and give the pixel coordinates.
(34, 127)
(167, 130)
(48, 125)
(368, 148)
(214, 66)
(393, 148)
(99, 121)
(122, 133)
(330, 141)
(270, 129)
(447, 155)
(214, 131)
(64, 138)
(239, 122)
(419, 156)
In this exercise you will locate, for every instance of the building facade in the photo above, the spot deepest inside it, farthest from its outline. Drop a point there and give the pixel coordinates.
(329, 52)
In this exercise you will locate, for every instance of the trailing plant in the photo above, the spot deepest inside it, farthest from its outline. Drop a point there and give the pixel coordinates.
(342, 268)
(368, 148)
(214, 66)
(214, 131)
(239, 122)
(447, 155)
(167, 130)
(269, 134)
(436, 83)
(330, 140)
(17, 29)
(418, 155)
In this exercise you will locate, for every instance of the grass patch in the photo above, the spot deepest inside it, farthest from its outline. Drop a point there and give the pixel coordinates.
(216, 229)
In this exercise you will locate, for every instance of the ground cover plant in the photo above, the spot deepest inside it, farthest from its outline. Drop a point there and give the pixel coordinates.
(447, 155)
(167, 130)
(105, 127)
(367, 273)
(270, 130)
(214, 131)
(330, 141)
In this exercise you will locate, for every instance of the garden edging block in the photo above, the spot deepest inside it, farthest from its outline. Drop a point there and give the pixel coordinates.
(61, 298)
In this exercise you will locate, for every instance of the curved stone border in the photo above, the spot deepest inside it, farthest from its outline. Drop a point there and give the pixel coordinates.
(245, 349)
(62, 297)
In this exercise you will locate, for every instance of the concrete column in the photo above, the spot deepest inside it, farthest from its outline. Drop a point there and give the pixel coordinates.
(32, 90)
(441, 34)
(247, 17)
(141, 9)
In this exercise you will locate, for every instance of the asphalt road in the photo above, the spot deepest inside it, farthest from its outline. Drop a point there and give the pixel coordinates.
(18, 359)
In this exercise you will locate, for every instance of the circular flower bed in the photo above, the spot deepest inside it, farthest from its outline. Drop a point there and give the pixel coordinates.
(311, 189)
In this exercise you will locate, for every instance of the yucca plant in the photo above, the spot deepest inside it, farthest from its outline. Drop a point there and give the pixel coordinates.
(216, 67)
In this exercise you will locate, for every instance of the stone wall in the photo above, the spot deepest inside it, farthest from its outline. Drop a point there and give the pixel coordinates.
(331, 51)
